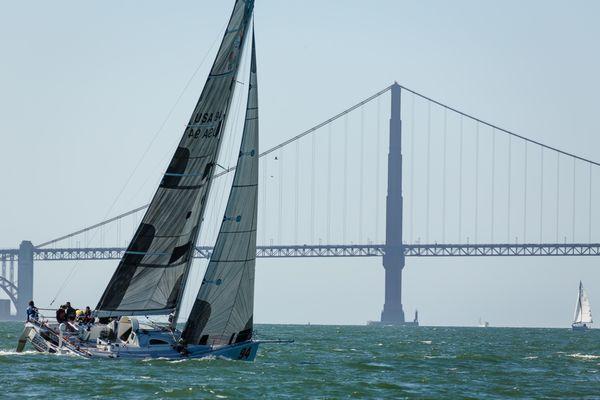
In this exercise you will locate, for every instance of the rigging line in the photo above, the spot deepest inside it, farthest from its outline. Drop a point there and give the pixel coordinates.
(412, 170)
(312, 189)
(460, 179)
(217, 199)
(574, 199)
(501, 129)
(228, 170)
(280, 196)
(590, 207)
(508, 191)
(557, 193)
(73, 268)
(541, 194)
(428, 202)
(345, 191)
(377, 167)
(164, 123)
(525, 198)
(493, 183)
(156, 134)
(476, 182)
(330, 120)
(329, 183)
(444, 176)
(297, 191)
(264, 201)
(361, 176)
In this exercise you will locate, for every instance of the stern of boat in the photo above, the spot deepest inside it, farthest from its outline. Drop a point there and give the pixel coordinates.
(32, 334)
(245, 351)
(46, 339)
(577, 327)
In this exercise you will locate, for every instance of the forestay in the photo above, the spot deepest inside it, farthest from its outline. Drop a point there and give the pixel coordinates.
(151, 276)
(223, 309)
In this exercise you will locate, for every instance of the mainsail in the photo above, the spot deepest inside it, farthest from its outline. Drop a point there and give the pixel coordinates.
(151, 276)
(583, 310)
(223, 309)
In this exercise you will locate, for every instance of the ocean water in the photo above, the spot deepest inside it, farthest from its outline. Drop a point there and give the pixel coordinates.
(331, 362)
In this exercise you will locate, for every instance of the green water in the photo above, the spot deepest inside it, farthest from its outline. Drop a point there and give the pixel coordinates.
(330, 362)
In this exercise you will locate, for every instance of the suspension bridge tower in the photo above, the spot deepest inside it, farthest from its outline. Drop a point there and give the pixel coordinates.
(25, 278)
(394, 260)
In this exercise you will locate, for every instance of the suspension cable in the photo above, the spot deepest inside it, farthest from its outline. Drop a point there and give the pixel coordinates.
(231, 169)
(501, 129)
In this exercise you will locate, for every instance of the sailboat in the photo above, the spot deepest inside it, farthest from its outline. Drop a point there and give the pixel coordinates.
(583, 311)
(151, 278)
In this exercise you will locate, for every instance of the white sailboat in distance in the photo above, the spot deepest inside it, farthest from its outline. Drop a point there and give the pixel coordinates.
(583, 311)
(153, 273)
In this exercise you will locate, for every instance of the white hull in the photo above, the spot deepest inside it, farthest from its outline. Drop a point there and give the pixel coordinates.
(46, 339)
(578, 326)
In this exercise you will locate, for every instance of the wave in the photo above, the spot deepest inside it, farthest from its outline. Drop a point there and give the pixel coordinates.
(584, 356)
(14, 353)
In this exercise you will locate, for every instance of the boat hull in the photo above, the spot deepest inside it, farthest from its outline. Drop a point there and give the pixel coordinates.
(49, 341)
(245, 351)
(580, 327)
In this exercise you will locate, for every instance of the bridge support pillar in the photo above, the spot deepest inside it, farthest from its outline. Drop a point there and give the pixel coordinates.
(24, 278)
(393, 260)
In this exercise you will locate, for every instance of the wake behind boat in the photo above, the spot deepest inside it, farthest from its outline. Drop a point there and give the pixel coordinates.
(583, 311)
(152, 275)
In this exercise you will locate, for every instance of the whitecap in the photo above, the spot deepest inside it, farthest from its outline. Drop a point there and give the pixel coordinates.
(156, 359)
(177, 361)
(14, 353)
(584, 356)
(211, 358)
(432, 357)
(382, 365)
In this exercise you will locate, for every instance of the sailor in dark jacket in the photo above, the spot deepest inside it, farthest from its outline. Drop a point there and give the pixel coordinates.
(71, 314)
(32, 312)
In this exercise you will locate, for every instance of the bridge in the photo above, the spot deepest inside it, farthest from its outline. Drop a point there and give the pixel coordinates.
(461, 174)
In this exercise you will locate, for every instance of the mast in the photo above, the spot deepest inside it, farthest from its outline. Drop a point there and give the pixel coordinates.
(152, 274)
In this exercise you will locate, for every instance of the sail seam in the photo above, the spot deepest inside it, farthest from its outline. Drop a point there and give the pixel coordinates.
(246, 231)
(165, 266)
(234, 261)
(182, 187)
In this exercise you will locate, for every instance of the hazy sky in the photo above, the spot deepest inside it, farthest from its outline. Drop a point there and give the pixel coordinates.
(84, 87)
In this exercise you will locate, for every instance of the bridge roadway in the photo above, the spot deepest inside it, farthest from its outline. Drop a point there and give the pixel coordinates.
(358, 250)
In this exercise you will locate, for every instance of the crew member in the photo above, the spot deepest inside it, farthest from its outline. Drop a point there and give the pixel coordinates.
(32, 312)
(61, 314)
(71, 313)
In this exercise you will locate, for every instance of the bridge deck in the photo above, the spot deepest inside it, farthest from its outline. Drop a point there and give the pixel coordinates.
(359, 250)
